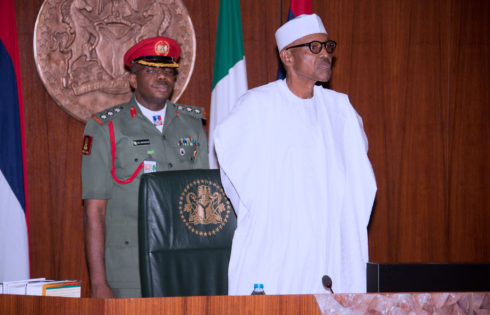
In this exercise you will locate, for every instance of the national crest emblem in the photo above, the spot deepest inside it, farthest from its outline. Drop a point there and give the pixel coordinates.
(79, 48)
(162, 48)
(204, 208)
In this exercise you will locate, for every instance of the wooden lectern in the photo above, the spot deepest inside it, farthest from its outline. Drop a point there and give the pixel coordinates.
(378, 303)
(264, 304)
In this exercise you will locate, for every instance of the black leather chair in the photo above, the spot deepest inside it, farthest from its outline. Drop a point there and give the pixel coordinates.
(185, 229)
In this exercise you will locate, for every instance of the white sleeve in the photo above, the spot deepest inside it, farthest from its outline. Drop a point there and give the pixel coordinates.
(237, 142)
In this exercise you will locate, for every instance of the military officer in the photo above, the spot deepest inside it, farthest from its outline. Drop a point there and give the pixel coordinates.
(149, 133)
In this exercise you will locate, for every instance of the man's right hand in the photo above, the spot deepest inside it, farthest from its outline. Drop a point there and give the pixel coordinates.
(94, 245)
(101, 291)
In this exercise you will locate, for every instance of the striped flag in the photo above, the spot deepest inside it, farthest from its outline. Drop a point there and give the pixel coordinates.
(14, 247)
(296, 8)
(230, 74)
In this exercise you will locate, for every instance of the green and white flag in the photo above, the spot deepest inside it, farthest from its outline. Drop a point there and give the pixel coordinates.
(230, 74)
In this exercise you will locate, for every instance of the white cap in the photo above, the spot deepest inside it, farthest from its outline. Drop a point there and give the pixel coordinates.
(300, 26)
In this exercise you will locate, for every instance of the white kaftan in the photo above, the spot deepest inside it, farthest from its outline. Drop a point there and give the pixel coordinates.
(298, 175)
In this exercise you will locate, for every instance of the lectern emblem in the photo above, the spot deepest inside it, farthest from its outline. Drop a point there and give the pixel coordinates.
(79, 47)
(204, 208)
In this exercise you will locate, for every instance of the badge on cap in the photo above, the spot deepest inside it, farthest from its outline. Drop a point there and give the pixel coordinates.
(161, 48)
(154, 52)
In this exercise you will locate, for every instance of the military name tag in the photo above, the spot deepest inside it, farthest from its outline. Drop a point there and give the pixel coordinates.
(141, 142)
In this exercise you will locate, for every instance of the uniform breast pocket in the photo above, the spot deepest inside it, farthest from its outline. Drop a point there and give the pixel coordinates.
(187, 149)
(128, 157)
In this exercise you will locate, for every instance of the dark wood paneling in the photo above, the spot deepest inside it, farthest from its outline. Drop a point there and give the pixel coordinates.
(469, 132)
(417, 72)
(383, 61)
(204, 15)
(53, 169)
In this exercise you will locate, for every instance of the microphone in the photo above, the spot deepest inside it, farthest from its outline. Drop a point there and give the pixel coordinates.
(327, 283)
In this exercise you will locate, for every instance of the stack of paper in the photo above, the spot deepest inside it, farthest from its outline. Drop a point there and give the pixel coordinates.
(41, 286)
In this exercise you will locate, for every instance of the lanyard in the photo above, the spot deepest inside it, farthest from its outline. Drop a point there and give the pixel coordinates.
(113, 153)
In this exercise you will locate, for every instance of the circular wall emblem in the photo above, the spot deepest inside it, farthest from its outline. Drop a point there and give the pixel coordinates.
(204, 208)
(79, 47)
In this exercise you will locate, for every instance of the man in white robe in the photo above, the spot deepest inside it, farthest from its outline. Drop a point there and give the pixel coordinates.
(293, 160)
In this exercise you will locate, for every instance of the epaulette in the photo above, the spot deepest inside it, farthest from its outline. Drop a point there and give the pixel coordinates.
(108, 114)
(194, 111)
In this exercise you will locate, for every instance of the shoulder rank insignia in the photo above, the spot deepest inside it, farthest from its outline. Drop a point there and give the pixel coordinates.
(194, 111)
(107, 114)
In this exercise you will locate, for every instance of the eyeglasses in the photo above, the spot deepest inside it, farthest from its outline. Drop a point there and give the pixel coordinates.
(168, 72)
(316, 46)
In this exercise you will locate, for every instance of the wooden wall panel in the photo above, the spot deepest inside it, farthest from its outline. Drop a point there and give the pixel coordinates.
(260, 20)
(53, 141)
(416, 71)
(469, 132)
(382, 61)
(204, 15)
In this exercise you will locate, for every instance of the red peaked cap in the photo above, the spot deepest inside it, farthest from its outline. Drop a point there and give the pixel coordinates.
(154, 52)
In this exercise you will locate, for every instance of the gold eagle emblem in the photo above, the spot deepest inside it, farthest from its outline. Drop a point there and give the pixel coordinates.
(204, 207)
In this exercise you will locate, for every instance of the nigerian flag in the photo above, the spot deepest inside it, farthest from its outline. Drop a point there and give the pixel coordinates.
(230, 75)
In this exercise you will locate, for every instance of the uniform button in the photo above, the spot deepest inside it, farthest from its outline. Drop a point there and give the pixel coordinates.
(170, 165)
(136, 159)
(164, 137)
(126, 242)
